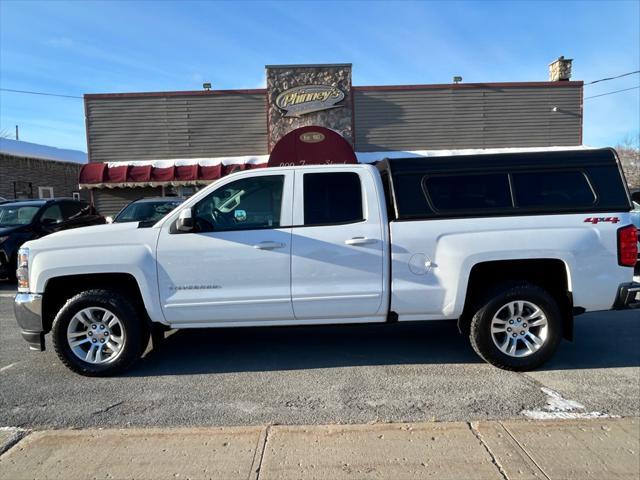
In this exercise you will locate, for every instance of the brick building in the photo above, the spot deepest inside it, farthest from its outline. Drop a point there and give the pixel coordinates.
(29, 170)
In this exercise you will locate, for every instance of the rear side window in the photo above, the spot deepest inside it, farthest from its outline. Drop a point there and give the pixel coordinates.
(552, 190)
(331, 198)
(449, 193)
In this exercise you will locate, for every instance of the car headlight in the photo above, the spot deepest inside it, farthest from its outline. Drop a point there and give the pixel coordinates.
(22, 273)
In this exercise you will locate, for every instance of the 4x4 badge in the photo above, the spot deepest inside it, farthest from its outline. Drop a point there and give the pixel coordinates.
(596, 220)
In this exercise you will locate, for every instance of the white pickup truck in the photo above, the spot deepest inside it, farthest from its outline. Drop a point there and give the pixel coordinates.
(509, 245)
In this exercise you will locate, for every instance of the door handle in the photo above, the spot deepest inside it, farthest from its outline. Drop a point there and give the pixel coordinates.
(269, 245)
(360, 241)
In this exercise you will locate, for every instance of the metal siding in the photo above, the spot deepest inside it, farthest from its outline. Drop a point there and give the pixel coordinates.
(110, 201)
(483, 117)
(150, 128)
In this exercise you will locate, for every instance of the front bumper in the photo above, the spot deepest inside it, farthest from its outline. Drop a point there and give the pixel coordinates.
(628, 296)
(27, 308)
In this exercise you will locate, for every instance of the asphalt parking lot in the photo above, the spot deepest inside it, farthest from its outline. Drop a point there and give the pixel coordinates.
(348, 374)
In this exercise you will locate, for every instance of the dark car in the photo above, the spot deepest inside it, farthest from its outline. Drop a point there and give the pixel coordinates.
(27, 220)
(147, 209)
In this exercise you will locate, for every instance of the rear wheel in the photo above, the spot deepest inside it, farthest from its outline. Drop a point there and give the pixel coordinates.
(99, 333)
(516, 327)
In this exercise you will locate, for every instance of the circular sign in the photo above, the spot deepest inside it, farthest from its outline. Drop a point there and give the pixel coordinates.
(311, 146)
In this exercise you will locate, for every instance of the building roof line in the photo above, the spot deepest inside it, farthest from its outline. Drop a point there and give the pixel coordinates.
(310, 65)
(574, 84)
(364, 88)
(178, 93)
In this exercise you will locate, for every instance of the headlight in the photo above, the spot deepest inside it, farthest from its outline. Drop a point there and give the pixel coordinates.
(22, 273)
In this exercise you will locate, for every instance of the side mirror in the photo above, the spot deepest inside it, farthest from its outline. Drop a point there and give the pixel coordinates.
(185, 221)
(109, 219)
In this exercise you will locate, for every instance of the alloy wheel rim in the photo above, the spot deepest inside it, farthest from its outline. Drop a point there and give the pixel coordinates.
(519, 328)
(96, 335)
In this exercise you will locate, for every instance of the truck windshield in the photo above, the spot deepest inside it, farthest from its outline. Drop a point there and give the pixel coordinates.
(146, 211)
(11, 215)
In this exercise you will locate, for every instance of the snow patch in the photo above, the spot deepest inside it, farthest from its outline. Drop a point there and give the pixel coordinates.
(363, 157)
(370, 157)
(203, 162)
(18, 148)
(560, 408)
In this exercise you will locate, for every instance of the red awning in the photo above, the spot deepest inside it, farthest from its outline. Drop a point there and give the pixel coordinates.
(117, 174)
(211, 173)
(100, 175)
(139, 173)
(163, 174)
(93, 173)
(186, 173)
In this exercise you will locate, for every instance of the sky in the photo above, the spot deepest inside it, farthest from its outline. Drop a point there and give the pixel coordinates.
(72, 48)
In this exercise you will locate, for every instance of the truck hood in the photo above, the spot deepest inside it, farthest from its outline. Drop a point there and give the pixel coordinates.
(98, 235)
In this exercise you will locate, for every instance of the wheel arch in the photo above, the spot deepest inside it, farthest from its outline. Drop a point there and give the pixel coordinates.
(58, 290)
(551, 274)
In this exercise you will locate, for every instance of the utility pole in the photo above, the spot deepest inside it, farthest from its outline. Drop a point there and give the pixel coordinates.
(17, 135)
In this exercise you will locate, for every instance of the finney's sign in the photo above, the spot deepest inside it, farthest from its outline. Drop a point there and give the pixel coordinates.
(309, 98)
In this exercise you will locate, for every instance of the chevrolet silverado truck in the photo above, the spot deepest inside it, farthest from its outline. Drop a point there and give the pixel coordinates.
(510, 245)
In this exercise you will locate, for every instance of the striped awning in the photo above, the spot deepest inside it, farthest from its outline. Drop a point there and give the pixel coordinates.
(181, 172)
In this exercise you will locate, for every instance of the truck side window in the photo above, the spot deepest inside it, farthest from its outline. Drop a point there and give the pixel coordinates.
(246, 204)
(552, 189)
(469, 192)
(331, 198)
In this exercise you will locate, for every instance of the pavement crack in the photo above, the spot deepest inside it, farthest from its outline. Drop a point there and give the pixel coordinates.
(264, 447)
(18, 435)
(494, 459)
(106, 409)
(524, 451)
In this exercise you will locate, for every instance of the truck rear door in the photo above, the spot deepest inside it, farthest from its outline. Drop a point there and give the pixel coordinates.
(339, 246)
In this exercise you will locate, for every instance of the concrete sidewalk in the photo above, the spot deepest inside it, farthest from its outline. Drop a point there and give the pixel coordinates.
(564, 449)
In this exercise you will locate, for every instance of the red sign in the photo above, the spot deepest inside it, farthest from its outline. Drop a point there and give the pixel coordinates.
(311, 146)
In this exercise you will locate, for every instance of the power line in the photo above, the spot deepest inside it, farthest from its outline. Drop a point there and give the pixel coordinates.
(38, 93)
(611, 93)
(612, 78)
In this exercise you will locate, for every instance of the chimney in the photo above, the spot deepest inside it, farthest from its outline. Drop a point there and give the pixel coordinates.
(560, 70)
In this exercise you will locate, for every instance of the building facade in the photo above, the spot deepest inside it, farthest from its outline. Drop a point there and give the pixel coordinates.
(142, 144)
(29, 170)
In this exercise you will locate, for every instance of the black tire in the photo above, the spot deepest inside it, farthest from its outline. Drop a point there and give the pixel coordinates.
(480, 328)
(136, 332)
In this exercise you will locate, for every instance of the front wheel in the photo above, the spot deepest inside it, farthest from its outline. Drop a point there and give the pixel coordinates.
(99, 333)
(517, 327)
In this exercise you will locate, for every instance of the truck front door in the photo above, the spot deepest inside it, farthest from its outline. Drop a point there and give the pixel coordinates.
(235, 267)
